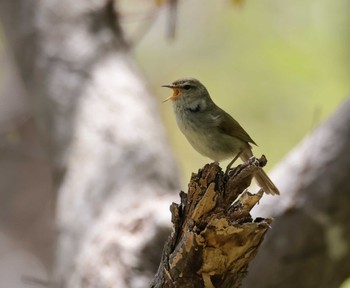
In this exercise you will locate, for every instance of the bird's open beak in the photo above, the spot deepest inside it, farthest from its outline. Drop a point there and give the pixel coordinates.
(176, 92)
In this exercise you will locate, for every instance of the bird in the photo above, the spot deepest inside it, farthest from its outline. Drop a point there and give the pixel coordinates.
(210, 130)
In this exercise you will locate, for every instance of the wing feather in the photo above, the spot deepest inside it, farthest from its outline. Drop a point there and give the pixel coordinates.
(230, 126)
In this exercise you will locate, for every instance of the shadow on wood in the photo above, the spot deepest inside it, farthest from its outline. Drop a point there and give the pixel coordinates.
(214, 236)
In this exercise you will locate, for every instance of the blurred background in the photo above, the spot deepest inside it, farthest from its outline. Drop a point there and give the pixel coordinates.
(278, 69)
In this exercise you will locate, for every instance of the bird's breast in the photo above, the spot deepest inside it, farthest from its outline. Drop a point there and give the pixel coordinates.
(205, 136)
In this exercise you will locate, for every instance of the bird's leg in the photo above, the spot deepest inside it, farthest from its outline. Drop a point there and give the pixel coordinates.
(232, 161)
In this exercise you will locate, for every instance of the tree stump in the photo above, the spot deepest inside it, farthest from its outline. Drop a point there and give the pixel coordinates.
(214, 236)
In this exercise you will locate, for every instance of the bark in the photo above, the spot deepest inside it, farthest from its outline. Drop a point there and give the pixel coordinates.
(213, 240)
(26, 214)
(309, 245)
(101, 128)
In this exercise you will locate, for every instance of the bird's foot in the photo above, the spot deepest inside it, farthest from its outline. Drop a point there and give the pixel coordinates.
(228, 167)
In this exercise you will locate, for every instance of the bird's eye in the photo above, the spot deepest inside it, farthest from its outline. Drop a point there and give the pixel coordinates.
(187, 87)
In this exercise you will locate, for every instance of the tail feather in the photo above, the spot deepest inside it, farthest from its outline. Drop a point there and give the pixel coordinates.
(261, 177)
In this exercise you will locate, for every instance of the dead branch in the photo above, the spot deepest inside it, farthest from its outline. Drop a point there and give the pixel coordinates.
(214, 236)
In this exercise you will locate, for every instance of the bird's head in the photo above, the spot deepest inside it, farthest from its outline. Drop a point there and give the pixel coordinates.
(187, 90)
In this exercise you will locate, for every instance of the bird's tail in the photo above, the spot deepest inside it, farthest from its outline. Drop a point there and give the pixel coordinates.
(261, 177)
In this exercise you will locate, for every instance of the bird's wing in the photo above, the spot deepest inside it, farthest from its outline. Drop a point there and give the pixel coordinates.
(231, 127)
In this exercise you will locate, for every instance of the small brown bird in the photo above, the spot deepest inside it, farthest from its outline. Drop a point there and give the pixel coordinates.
(209, 129)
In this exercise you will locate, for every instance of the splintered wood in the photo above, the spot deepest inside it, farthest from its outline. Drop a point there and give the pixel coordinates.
(214, 236)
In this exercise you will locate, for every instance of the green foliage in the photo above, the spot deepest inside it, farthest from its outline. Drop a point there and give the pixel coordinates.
(346, 284)
(279, 68)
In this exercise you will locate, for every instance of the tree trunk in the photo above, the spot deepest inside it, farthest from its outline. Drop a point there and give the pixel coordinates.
(102, 131)
(309, 245)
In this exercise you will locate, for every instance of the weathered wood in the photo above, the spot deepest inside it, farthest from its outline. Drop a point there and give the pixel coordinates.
(214, 236)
